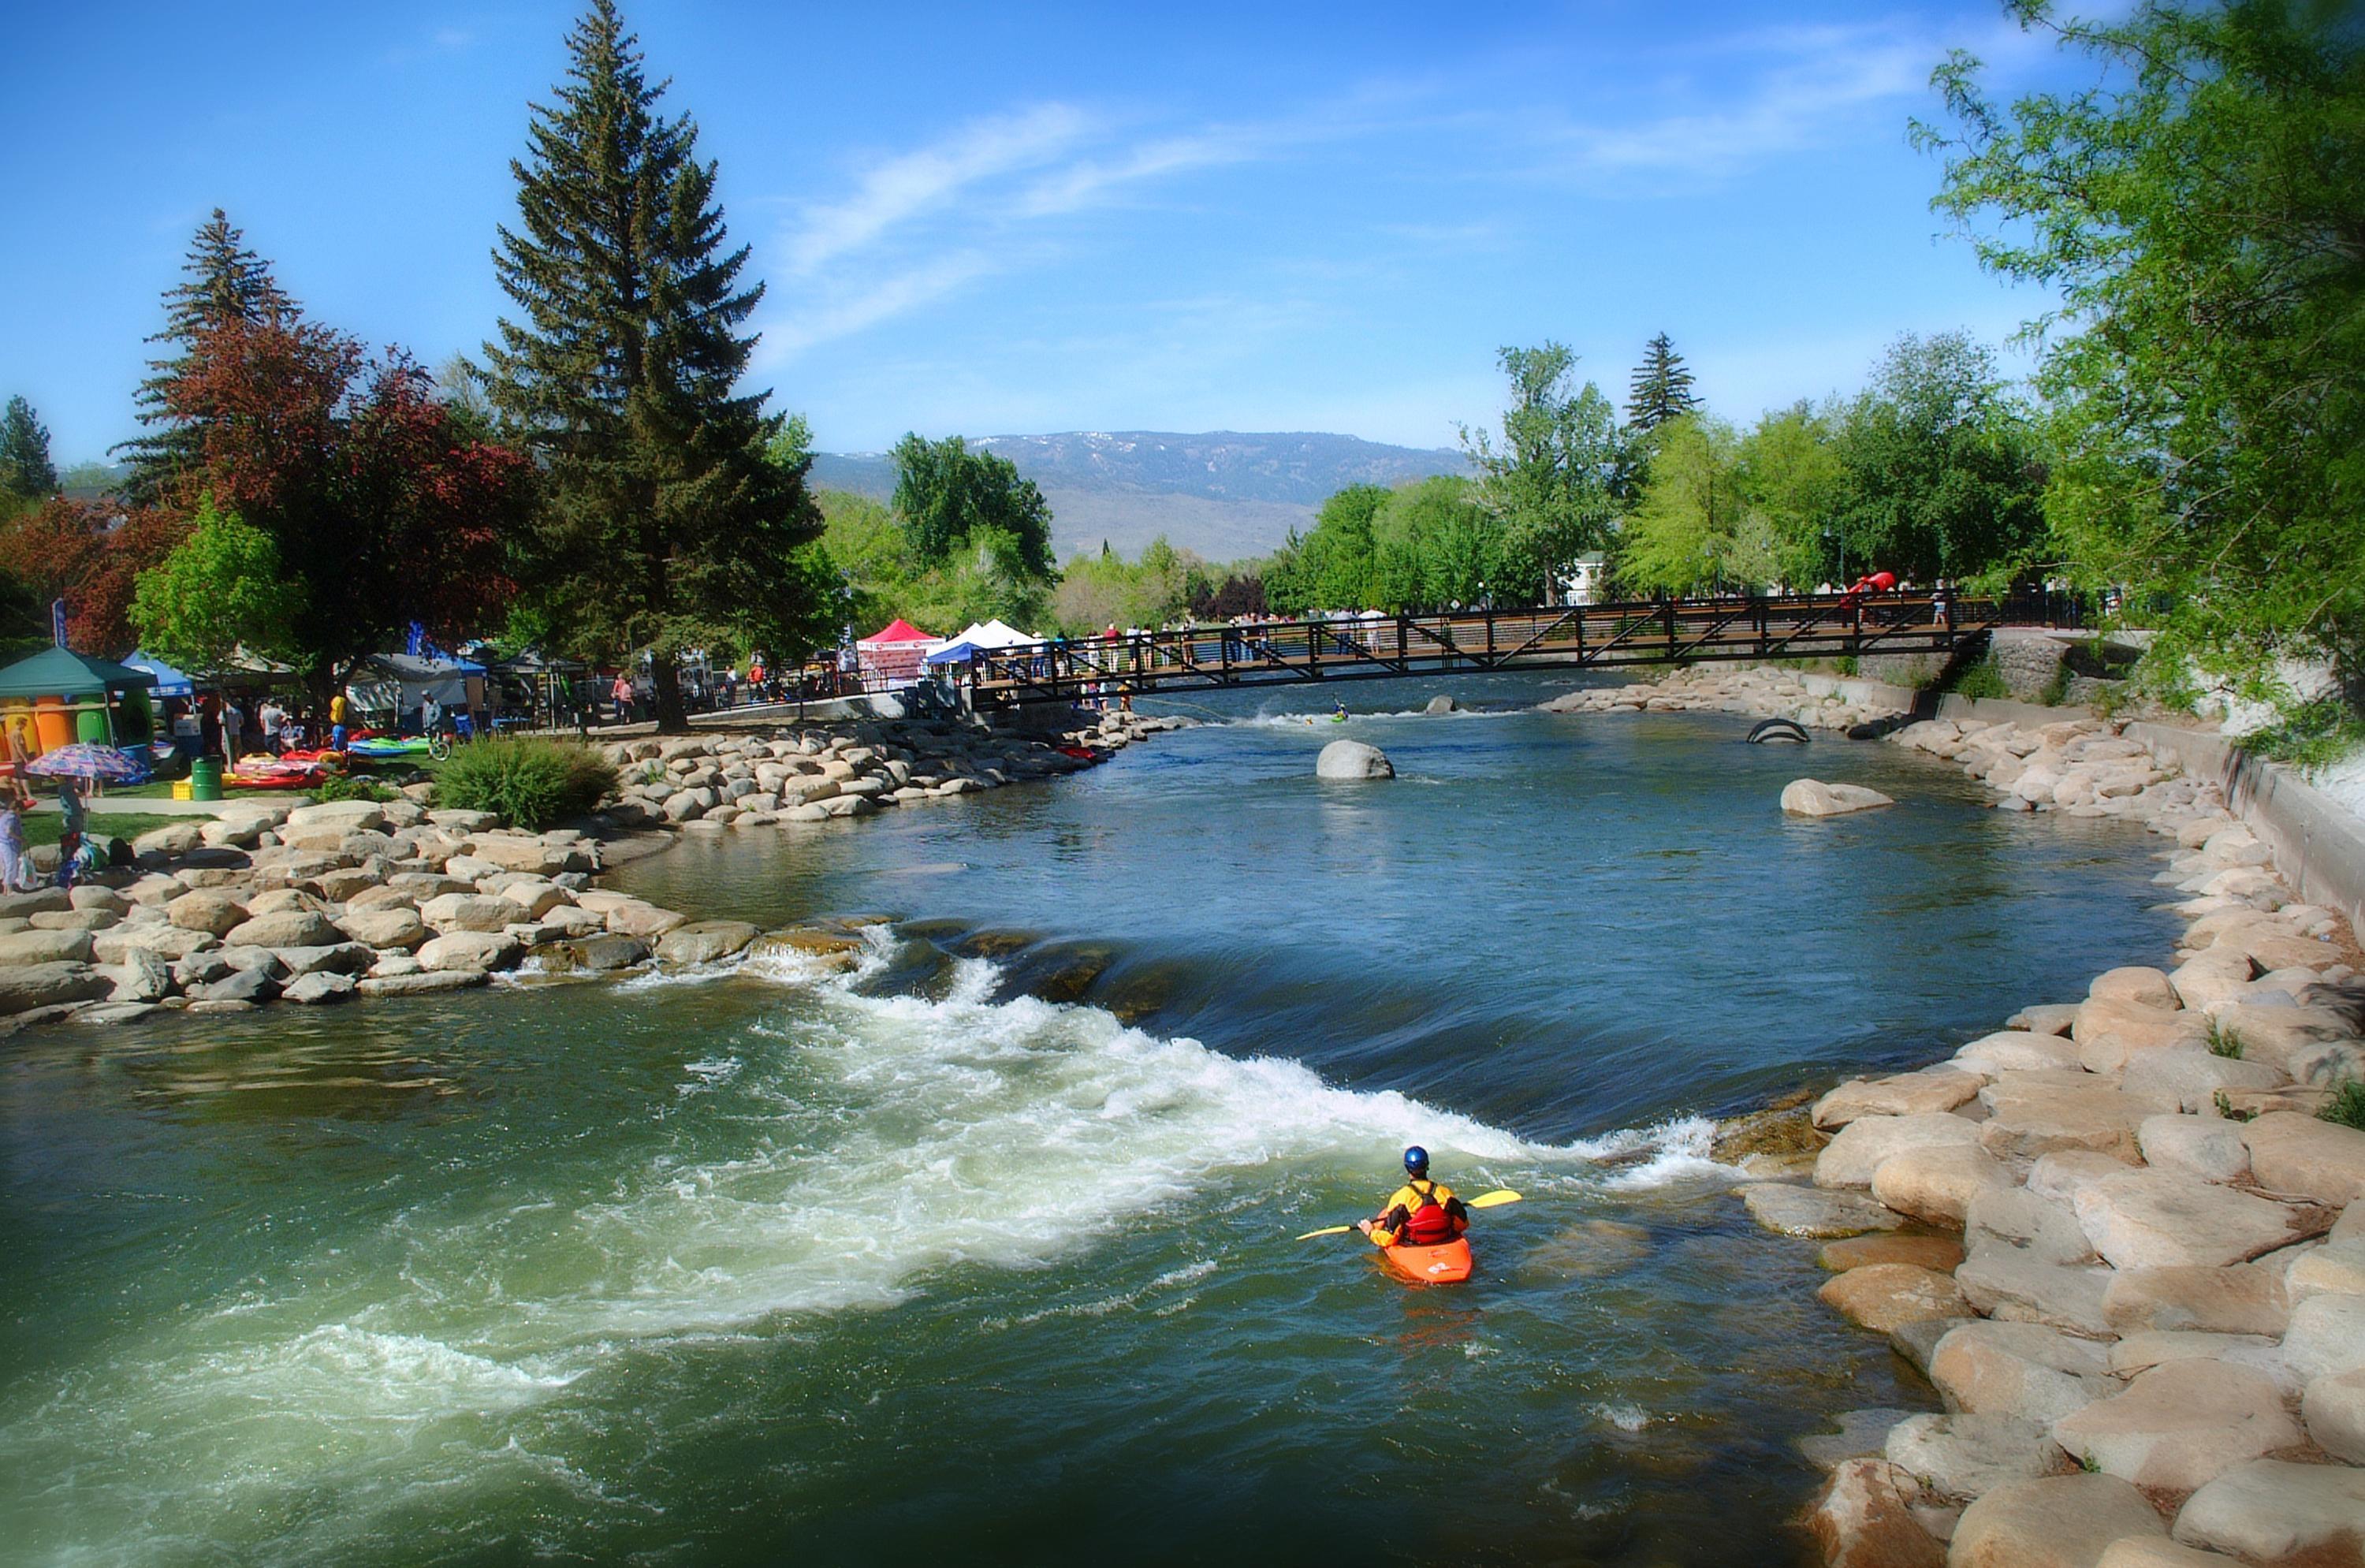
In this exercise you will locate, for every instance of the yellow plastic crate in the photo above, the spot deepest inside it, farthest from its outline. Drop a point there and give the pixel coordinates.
(181, 789)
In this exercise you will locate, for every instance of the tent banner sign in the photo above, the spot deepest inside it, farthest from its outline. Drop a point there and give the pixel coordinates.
(58, 621)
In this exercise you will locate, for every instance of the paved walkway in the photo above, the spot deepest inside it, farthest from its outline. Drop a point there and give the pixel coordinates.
(139, 806)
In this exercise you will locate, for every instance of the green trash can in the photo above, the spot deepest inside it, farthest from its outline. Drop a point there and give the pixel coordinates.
(205, 779)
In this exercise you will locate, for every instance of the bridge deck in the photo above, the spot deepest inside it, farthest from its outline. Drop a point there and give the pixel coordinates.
(1384, 647)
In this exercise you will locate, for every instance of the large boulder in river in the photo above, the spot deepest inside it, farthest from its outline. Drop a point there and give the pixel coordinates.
(1438, 705)
(24, 987)
(705, 941)
(1813, 797)
(1354, 759)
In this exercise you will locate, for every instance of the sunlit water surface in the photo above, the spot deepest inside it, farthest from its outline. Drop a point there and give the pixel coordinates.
(982, 1253)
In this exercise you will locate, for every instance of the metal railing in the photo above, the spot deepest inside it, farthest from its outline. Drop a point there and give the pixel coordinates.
(1375, 646)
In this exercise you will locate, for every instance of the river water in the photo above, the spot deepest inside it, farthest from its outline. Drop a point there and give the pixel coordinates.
(982, 1253)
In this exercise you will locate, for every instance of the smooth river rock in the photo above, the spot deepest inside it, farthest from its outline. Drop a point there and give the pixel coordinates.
(1937, 1183)
(705, 941)
(1901, 1094)
(2274, 1511)
(2310, 1159)
(2017, 1288)
(2024, 1371)
(1353, 759)
(2056, 1521)
(1864, 1519)
(2244, 1298)
(1850, 1160)
(1886, 1296)
(1961, 1456)
(1813, 797)
(2181, 1425)
(1817, 1215)
(2154, 1219)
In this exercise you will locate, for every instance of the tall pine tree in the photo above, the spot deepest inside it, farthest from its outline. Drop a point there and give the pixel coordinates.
(664, 528)
(1661, 387)
(224, 282)
(25, 470)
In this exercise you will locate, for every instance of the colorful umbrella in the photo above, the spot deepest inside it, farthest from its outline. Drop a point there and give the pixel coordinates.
(84, 760)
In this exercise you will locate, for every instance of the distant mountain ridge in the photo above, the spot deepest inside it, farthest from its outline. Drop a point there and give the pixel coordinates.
(1226, 494)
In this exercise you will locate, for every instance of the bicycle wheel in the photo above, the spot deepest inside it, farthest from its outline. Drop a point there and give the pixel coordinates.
(440, 747)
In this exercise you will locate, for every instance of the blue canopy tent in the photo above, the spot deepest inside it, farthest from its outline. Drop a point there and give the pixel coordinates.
(170, 682)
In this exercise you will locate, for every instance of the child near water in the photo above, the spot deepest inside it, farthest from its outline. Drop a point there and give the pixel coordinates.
(15, 876)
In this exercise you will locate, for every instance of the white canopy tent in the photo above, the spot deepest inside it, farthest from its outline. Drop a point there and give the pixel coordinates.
(986, 636)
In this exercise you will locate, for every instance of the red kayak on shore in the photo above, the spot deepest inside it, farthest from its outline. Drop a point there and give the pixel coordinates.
(1447, 1265)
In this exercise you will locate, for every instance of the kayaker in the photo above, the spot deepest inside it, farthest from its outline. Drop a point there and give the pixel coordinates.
(1421, 1214)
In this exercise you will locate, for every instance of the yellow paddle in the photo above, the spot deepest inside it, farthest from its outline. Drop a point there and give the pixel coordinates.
(1493, 1200)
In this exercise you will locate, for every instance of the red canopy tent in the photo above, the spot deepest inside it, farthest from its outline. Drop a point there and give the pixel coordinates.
(891, 655)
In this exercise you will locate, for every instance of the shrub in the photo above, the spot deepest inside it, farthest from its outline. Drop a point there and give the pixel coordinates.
(350, 788)
(2056, 685)
(531, 783)
(1980, 679)
(2312, 736)
(2222, 1044)
(2346, 1106)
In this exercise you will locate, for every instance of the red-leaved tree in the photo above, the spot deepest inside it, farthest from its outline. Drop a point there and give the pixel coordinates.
(385, 509)
(90, 554)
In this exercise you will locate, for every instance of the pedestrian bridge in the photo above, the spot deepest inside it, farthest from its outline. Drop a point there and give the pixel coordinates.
(1384, 647)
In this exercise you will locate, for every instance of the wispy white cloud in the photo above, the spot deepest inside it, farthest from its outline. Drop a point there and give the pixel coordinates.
(1090, 179)
(850, 310)
(1799, 87)
(915, 183)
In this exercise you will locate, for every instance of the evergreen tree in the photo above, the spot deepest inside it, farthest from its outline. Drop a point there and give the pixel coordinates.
(665, 527)
(1661, 387)
(224, 282)
(25, 467)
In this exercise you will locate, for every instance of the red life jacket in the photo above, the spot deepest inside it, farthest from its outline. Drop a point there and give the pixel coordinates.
(1429, 1225)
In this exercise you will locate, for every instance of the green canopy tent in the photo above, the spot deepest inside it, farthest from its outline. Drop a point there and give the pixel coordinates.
(71, 677)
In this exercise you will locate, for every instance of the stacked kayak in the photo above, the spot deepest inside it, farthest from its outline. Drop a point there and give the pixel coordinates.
(388, 745)
(273, 773)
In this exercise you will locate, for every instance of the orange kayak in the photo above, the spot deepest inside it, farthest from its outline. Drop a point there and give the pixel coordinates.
(1446, 1265)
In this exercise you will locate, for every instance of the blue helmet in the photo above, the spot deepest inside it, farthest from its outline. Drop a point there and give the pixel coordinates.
(1416, 1161)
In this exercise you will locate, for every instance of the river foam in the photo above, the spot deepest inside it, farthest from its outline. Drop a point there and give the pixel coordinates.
(838, 1151)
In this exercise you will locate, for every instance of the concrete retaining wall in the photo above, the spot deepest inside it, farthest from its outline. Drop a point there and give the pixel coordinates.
(2319, 845)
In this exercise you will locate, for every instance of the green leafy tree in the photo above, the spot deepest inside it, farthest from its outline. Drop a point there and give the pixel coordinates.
(1944, 475)
(1099, 591)
(1331, 566)
(2197, 209)
(1437, 544)
(949, 494)
(224, 283)
(665, 525)
(1694, 528)
(222, 589)
(1795, 482)
(25, 470)
(1661, 389)
(1555, 479)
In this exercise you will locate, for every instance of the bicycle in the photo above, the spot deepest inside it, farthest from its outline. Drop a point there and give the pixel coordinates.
(455, 731)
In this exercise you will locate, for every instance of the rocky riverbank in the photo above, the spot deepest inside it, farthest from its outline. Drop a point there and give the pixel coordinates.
(282, 901)
(2116, 1234)
(1764, 691)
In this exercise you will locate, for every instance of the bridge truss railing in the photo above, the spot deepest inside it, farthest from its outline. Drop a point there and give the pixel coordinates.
(1379, 646)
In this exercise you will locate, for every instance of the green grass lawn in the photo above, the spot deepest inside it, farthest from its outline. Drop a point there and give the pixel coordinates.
(43, 827)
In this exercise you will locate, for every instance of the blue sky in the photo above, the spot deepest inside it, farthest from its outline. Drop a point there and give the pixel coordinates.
(998, 219)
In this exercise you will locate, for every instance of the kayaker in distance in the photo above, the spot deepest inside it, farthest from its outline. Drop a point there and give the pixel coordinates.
(1422, 1213)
